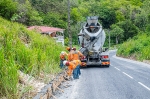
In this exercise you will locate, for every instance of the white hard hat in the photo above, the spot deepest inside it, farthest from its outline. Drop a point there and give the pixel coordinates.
(62, 52)
(64, 62)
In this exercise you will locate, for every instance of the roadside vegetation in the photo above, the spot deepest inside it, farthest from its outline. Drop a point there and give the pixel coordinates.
(127, 22)
(137, 48)
(25, 51)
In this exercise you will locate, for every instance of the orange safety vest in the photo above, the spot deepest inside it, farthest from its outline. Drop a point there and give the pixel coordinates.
(77, 55)
(70, 55)
(72, 65)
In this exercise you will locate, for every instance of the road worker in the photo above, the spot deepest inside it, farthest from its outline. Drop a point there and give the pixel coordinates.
(68, 49)
(70, 55)
(76, 56)
(76, 71)
(63, 56)
(72, 68)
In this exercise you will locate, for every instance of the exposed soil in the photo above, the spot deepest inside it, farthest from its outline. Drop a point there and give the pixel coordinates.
(30, 86)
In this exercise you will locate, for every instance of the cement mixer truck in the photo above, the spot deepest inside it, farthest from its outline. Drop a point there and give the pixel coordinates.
(91, 40)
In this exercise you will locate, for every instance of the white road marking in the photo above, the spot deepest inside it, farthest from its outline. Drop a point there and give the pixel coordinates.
(144, 86)
(117, 68)
(127, 75)
(132, 61)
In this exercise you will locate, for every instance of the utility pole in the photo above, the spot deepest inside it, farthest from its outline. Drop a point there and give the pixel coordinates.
(109, 38)
(69, 32)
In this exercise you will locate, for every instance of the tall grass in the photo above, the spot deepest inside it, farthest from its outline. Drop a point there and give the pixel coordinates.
(8, 68)
(137, 48)
(27, 51)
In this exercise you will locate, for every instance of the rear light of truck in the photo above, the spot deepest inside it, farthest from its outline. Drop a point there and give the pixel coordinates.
(84, 57)
(105, 63)
(105, 56)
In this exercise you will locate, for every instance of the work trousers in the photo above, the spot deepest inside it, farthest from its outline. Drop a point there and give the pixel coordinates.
(61, 64)
(76, 72)
(79, 70)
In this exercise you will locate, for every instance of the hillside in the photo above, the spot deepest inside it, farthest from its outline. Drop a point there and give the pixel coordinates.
(24, 52)
(137, 48)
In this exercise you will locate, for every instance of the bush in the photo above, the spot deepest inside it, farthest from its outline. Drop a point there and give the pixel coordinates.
(138, 46)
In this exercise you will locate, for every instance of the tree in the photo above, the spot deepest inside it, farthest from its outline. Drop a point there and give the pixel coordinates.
(116, 32)
(141, 21)
(106, 14)
(27, 15)
(7, 8)
(130, 30)
(75, 15)
(54, 19)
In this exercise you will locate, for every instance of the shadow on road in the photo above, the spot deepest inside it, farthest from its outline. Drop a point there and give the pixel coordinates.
(94, 66)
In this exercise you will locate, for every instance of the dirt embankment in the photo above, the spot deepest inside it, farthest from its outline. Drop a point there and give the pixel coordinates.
(40, 90)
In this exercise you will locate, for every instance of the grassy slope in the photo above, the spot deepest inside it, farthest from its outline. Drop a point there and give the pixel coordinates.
(137, 48)
(27, 51)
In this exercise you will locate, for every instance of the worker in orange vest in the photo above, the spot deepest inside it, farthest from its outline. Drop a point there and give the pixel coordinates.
(70, 55)
(76, 56)
(63, 56)
(68, 49)
(72, 68)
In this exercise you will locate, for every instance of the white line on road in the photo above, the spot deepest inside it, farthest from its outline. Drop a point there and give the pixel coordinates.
(117, 68)
(132, 61)
(144, 85)
(127, 75)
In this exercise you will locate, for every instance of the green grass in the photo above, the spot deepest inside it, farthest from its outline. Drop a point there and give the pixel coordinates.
(138, 47)
(28, 51)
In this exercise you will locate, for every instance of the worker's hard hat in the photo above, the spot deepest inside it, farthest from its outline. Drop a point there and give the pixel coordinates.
(68, 48)
(74, 48)
(62, 52)
(66, 63)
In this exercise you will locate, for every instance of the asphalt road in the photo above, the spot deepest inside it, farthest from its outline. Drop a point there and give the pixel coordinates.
(124, 79)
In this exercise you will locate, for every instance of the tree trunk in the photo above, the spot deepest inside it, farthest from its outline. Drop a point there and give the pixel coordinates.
(116, 40)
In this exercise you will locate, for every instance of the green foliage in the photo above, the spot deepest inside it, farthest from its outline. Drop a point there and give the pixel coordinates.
(106, 14)
(66, 41)
(54, 19)
(75, 15)
(146, 6)
(148, 28)
(119, 16)
(116, 32)
(83, 9)
(27, 51)
(130, 30)
(7, 8)
(24, 13)
(136, 2)
(31, 16)
(141, 21)
(137, 48)
(32, 53)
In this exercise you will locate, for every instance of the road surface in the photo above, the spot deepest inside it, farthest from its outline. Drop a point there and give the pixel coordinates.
(124, 79)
